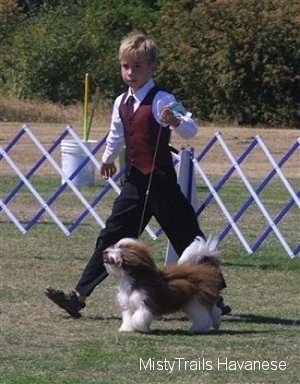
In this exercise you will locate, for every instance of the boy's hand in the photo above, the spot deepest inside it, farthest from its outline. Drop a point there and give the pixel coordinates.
(167, 116)
(107, 170)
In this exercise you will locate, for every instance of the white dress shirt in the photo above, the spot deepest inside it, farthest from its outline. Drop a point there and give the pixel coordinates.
(115, 139)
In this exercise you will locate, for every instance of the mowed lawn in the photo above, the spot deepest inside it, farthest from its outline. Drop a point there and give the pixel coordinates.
(40, 344)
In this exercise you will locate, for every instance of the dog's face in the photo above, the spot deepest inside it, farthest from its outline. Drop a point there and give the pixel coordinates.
(128, 256)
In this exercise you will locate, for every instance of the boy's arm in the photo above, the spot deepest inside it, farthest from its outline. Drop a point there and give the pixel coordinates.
(114, 143)
(162, 110)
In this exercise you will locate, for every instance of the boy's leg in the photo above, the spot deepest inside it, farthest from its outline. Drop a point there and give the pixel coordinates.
(177, 218)
(124, 221)
(173, 211)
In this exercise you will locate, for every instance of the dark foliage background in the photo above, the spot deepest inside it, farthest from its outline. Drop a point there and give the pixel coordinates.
(231, 61)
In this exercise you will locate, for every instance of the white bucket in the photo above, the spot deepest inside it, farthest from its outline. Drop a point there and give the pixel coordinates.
(72, 155)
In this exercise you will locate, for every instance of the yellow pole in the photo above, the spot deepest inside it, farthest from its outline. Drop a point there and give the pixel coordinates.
(85, 110)
(94, 106)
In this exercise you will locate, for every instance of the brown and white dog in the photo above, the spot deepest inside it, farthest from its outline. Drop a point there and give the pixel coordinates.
(146, 292)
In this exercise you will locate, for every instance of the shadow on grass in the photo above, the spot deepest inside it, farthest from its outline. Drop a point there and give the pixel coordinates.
(182, 332)
(103, 318)
(237, 318)
(259, 319)
(243, 318)
(257, 266)
(248, 318)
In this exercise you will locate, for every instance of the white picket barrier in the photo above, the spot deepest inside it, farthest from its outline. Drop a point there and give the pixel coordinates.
(189, 167)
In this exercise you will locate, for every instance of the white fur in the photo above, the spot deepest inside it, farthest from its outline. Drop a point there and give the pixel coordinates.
(135, 314)
(202, 319)
(199, 249)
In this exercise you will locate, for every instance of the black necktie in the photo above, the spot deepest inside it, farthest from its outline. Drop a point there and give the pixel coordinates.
(130, 104)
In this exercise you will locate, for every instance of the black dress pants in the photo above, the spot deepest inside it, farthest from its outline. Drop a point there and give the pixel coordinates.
(166, 203)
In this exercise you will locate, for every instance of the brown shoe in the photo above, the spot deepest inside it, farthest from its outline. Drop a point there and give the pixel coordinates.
(67, 301)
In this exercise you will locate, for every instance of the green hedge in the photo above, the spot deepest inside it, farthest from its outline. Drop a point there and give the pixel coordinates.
(228, 60)
(236, 60)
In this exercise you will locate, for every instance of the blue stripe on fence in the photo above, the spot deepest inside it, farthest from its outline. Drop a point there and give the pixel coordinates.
(34, 168)
(13, 142)
(264, 183)
(276, 220)
(227, 175)
(189, 190)
(64, 185)
(98, 198)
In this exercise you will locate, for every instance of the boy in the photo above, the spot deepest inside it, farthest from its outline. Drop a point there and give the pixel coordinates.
(142, 120)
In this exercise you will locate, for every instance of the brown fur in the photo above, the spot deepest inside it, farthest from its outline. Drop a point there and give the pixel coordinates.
(171, 288)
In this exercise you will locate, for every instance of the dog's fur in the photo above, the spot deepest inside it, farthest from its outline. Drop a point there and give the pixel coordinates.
(146, 293)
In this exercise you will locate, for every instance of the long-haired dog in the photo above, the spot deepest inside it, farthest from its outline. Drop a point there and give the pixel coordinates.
(146, 293)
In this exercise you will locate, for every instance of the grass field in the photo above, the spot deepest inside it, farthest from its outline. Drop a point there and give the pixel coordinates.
(257, 344)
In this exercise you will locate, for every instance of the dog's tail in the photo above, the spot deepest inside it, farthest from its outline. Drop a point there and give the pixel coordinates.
(201, 250)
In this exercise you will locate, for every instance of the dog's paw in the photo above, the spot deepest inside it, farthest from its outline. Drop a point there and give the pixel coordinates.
(142, 329)
(194, 330)
(126, 328)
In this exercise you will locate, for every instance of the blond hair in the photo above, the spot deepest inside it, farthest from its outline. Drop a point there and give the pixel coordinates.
(139, 46)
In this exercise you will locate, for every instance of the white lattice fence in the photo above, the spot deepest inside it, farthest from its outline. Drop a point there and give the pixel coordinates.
(191, 172)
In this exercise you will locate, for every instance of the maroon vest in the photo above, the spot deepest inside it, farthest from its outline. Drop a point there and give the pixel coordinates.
(141, 132)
